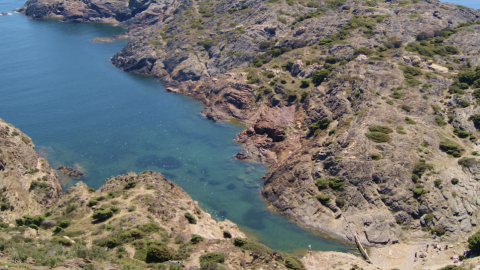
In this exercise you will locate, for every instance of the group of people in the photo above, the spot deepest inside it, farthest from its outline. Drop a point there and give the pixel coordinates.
(422, 254)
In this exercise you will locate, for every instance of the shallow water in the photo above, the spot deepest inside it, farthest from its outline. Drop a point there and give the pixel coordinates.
(61, 89)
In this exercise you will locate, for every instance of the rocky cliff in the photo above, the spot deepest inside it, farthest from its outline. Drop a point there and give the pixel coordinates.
(27, 182)
(364, 110)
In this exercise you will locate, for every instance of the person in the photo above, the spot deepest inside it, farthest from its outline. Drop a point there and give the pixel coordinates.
(309, 248)
(415, 257)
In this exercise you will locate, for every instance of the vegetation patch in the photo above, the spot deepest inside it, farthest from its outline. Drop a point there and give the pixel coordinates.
(451, 148)
(378, 137)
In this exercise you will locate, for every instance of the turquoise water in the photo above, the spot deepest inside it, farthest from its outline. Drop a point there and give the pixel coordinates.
(61, 89)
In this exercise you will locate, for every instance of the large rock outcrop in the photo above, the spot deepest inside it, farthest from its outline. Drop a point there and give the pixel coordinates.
(28, 184)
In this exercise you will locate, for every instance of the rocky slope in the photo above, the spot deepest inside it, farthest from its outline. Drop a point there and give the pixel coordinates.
(350, 102)
(28, 184)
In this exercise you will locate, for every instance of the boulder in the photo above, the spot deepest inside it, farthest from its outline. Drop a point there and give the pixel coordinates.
(297, 67)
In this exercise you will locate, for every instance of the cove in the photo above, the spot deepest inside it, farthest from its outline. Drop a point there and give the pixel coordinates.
(61, 89)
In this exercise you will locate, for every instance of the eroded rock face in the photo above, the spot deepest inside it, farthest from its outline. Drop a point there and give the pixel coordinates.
(29, 185)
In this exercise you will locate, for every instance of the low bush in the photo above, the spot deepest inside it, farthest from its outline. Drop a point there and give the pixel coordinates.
(378, 137)
(375, 156)
(321, 183)
(336, 183)
(474, 243)
(439, 120)
(239, 242)
(157, 254)
(319, 75)
(324, 199)
(130, 185)
(410, 121)
(417, 192)
(191, 219)
(382, 129)
(101, 214)
(292, 262)
(438, 182)
(320, 124)
(451, 148)
(195, 239)
(215, 257)
(421, 167)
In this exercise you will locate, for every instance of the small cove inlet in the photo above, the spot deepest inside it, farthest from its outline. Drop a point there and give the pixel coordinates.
(61, 89)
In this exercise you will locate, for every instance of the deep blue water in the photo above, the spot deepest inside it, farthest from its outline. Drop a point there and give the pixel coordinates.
(60, 88)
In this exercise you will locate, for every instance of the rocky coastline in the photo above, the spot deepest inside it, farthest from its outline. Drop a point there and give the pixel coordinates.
(260, 63)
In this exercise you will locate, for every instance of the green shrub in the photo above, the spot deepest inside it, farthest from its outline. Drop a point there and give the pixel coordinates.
(71, 208)
(324, 199)
(149, 227)
(401, 130)
(331, 59)
(292, 262)
(320, 124)
(363, 50)
(413, 71)
(417, 192)
(439, 231)
(239, 242)
(305, 83)
(410, 121)
(57, 230)
(319, 75)
(336, 183)
(428, 217)
(378, 137)
(438, 182)
(157, 254)
(464, 103)
(406, 108)
(382, 129)
(130, 185)
(4, 206)
(92, 202)
(474, 242)
(451, 148)
(62, 241)
(215, 257)
(421, 167)
(191, 219)
(375, 156)
(132, 208)
(196, 239)
(63, 224)
(440, 121)
(321, 183)
(101, 214)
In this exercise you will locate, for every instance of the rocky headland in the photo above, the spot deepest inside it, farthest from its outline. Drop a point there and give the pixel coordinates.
(365, 111)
